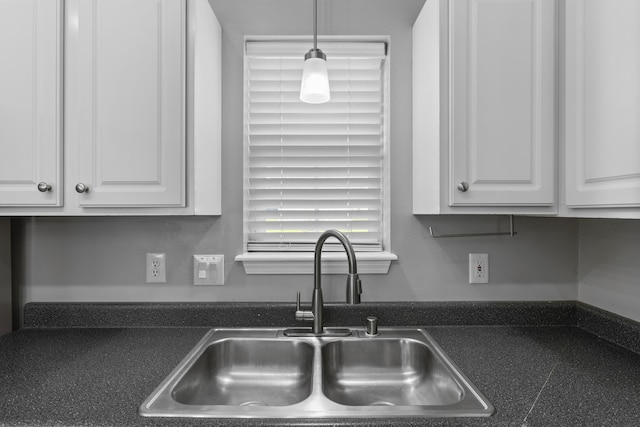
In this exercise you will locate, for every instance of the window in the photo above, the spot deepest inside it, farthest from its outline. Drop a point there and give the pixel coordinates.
(309, 168)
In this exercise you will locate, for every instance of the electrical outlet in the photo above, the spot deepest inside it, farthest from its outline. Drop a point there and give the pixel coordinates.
(156, 268)
(478, 268)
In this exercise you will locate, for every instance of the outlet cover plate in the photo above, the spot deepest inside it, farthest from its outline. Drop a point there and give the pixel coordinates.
(156, 268)
(478, 268)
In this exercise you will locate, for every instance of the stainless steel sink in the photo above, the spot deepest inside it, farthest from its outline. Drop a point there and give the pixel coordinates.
(387, 372)
(261, 373)
(248, 372)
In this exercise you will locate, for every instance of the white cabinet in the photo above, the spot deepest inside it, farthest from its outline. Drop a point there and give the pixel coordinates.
(502, 141)
(30, 102)
(125, 101)
(484, 107)
(602, 107)
(141, 107)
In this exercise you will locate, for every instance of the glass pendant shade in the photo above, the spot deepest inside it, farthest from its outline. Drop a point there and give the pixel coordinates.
(315, 81)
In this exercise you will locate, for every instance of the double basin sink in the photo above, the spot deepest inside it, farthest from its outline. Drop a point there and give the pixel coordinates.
(262, 373)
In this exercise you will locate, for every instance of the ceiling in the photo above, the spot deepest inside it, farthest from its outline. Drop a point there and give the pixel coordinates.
(335, 17)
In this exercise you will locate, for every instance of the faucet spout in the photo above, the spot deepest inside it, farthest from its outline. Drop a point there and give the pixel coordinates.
(354, 289)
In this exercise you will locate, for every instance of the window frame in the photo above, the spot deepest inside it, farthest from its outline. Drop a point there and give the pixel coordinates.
(332, 262)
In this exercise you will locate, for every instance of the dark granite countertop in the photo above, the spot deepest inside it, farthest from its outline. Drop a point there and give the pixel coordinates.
(534, 375)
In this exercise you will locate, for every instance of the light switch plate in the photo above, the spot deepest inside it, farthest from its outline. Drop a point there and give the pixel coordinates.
(208, 270)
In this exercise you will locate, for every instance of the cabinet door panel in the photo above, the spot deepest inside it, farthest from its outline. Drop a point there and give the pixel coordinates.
(126, 101)
(30, 102)
(502, 102)
(602, 100)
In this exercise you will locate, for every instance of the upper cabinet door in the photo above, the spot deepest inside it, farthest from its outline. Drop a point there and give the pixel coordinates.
(125, 102)
(30, 102)
(602, 103)
(502, 123)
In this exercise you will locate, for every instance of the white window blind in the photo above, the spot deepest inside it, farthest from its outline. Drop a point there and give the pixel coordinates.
(312, 167)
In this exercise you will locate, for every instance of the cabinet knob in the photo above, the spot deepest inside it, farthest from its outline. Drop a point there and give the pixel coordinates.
(82, 188)
(43, 187)
(463, 186)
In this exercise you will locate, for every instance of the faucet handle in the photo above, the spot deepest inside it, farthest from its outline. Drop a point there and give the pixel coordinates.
(302, 314)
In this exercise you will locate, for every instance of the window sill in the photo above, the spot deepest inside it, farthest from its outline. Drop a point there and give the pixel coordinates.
(302, 262)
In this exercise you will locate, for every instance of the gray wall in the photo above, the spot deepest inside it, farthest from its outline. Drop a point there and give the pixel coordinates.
(609, 260)
(102, 259)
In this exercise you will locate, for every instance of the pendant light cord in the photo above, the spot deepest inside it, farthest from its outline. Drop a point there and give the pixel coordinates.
(315, 24)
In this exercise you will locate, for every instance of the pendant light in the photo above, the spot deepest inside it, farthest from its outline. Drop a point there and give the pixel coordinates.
(315, 80)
